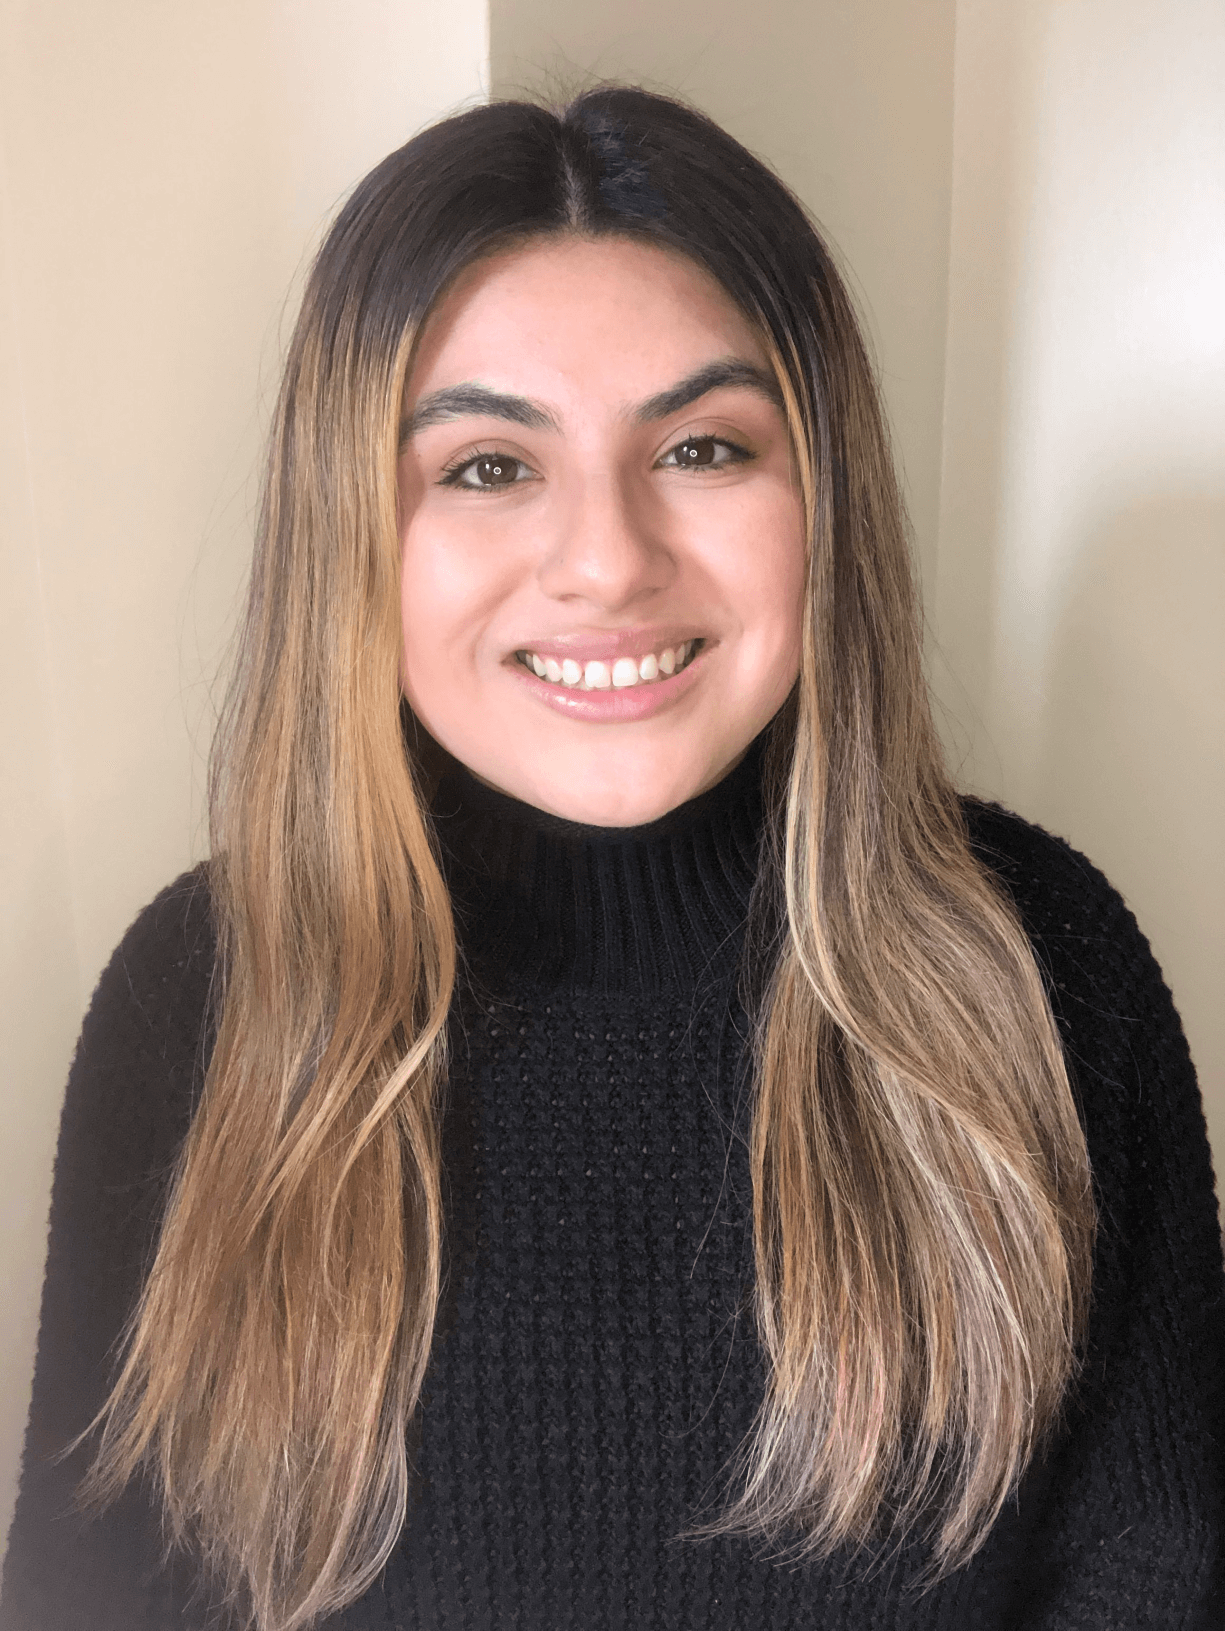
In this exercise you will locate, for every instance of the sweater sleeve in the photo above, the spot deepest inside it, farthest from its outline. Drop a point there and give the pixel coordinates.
(1130, 1506)
(137, 1068)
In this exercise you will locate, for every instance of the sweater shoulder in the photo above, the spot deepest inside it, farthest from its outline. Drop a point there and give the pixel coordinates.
(140, 1059)
(1054, 886)
(173, 936)
(1085, 937)
(1123, 1039)
(161, 971)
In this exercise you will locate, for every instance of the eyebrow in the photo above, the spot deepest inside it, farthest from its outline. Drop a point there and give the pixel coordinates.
(456, 400)
(726, 371)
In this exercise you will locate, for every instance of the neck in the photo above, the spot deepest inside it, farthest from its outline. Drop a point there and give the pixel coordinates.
(543, 903)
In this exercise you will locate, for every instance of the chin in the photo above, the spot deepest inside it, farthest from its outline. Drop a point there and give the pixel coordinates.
(610, 813)
(637, 800)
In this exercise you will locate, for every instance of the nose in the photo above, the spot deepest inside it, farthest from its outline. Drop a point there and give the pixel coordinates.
(606, 547)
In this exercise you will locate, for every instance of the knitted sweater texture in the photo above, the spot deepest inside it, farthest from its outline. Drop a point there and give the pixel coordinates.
(595, 1365)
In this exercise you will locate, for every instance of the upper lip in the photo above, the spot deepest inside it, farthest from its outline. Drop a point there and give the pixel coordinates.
(607, 646)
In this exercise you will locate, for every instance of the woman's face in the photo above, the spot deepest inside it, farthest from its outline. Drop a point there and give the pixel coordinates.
(597, 472)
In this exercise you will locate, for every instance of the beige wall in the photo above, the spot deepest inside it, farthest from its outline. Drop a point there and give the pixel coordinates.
(1029, 195)
(163, 170)
(1080, 584)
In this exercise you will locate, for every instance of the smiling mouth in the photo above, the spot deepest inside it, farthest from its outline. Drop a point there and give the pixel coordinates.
(622, 674)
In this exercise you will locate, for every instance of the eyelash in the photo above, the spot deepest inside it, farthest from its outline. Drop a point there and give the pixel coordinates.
(740, 455)
(452, 472)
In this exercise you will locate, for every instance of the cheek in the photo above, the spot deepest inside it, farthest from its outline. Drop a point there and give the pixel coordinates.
(763, 562)
(450, 586)
(432, 601)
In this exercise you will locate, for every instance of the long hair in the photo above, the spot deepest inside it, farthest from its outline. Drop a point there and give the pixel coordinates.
(922, 1212)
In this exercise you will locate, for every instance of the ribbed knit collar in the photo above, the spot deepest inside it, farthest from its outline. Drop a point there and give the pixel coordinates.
(547, 904)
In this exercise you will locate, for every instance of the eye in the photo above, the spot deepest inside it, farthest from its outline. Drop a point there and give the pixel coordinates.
(486, 472)
(703, 453)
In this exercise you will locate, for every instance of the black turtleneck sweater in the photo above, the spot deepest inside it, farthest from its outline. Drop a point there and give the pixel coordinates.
(595, 1364)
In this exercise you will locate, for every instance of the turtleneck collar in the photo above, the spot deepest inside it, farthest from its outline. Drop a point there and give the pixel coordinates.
(545, 904)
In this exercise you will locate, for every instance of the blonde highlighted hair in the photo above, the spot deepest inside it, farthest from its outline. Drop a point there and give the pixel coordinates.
(922, 1202)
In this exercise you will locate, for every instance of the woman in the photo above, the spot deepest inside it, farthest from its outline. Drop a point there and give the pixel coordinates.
(653, 1156)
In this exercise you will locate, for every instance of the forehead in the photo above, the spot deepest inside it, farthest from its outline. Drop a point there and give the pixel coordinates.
(572, 314)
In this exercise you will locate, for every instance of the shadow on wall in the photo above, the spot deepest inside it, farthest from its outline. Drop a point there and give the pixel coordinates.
(1131, 740)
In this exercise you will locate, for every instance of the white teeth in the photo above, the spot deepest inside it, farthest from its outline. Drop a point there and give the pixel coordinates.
(597, 676)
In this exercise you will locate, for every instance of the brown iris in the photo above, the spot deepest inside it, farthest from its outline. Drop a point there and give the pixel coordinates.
(698, 452)
(494, 470)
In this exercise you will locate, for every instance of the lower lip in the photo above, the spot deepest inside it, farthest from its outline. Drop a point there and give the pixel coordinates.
(615, 706)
